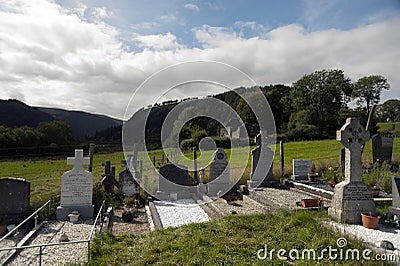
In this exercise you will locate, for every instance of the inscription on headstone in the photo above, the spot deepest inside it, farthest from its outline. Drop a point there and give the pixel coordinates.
(76, 189)
(301, 168)
(352, 197)
(14, 198)
(382, 148)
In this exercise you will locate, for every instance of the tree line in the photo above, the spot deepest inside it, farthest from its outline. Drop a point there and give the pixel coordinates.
(45, 134)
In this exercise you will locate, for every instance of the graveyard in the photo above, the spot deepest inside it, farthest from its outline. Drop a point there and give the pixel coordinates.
(119, 223)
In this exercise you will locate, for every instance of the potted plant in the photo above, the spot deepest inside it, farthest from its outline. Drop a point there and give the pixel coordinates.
(370, 220)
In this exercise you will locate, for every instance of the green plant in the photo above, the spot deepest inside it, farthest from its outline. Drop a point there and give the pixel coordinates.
(380, 176)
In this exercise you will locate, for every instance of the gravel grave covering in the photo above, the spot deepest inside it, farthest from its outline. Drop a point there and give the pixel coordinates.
(139, 225)
(184, 211)
(57, 255)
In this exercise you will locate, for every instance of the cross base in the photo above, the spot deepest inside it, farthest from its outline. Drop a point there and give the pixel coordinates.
(350, 199)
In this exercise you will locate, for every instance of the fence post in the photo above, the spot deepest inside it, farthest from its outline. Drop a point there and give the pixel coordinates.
(282, 158)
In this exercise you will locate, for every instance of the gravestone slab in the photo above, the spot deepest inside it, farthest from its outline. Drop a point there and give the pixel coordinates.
(301, 168)
(171, 179)
(261, 175)
(219, 174)
(76, 189)
(128, 185)
(395, 209)
(352, 197)
(14, 198)
(382, 148)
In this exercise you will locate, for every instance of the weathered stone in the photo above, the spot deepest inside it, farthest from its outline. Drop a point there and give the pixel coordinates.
(352, 197)
(14, 198)
(382, 148)
(128, 185)
(395, 208)
(76, 189)
(262, 164)
(219, 174)
(301, 169)
(171, 177)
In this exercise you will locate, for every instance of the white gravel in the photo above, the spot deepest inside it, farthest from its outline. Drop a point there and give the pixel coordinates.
(373, 237)
(184, 211)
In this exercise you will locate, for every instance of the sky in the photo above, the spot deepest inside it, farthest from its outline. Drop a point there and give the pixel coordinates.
(93, 55)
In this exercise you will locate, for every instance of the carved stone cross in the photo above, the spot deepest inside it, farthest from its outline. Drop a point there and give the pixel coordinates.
(78, 161)
(352, 135)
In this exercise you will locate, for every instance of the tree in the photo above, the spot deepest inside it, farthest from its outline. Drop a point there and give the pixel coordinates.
(390, 111)
(367, 90)
(322, 94)
(57, 132)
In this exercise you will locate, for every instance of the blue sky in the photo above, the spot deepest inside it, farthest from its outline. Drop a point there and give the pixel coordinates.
(101, 50)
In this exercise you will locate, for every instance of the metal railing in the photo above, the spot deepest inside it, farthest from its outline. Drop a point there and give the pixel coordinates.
(35, 215)
(88, 240)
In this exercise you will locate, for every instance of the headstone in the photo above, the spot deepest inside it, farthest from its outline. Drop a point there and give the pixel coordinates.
(261, 175)
(395, 209)
(128, 185)
(14, 198)
(219, 174)
(352, 197)
(382, 148)
(301, 168)
(76, 189)
(171, 175)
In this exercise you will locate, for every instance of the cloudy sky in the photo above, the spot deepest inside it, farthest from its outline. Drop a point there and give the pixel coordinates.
(93, 55)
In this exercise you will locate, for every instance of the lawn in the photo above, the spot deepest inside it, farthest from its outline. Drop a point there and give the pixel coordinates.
(232, 240)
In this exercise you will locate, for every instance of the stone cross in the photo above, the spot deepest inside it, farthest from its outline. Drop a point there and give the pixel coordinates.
(353, 136)
(78, 161)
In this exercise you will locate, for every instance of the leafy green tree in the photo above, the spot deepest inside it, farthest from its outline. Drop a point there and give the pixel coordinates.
(57, 132)
(367, 90)
(322, 94)
(390, 111)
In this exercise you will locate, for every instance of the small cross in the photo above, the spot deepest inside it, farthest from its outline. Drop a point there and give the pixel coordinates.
(78, 160)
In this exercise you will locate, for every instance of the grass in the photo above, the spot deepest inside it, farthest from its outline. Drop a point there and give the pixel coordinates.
(232, 240)
(393, 128)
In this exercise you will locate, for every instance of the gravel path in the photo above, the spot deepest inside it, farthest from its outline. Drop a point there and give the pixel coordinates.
(57, 255)
(370, 236)
(139, 225)
(182, 212)
(240, 207)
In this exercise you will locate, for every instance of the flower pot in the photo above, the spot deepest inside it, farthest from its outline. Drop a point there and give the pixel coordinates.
(314, 202)
(370, 221)
(3, 229)
(73, 218)
(312, 177)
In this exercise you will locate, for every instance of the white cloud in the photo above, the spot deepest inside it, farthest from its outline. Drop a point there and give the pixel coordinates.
(51, 56)
(100, 13)
(158, 42)
(192, 7)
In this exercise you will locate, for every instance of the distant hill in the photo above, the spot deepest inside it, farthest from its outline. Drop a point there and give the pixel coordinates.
(14, 113)
(82, 124)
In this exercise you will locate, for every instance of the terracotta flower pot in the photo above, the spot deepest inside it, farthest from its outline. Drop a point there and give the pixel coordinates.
(314, 202)
(370, 221)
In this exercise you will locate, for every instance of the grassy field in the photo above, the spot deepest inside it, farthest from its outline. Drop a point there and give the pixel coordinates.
(392, 128)
(45, 174)
(232, 240)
